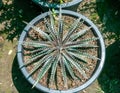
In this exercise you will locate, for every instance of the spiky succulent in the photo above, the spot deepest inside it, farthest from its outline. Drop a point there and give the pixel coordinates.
(59, 48)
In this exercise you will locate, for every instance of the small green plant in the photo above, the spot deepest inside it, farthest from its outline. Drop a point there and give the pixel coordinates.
(60, 49)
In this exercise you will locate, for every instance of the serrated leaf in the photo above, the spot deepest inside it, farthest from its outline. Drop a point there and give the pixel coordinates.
(50, 29)
(63, 71)
(80, 57)
(35, 44)
(37, 50)
(87, 40)
(84, 45)
(60, 27)
(37, 66)
(89, 56)
(78, 34)
(54, 67)
(43, 71)
(85, 54)
(35, 56)
(82, 42)
(71, 30)
(42, 33)
(51, 19)
(75, 64)
(69, 68)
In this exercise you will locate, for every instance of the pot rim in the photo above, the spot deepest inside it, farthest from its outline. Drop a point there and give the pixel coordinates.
(53, 5)
(81, 87)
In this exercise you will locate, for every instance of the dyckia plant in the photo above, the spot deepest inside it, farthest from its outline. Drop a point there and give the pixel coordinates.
(59, 48)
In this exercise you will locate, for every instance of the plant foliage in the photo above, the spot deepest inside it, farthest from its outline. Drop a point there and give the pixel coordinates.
(60, 49)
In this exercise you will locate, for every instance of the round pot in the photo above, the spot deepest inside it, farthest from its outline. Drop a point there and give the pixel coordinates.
(99, 65)
(46, 5)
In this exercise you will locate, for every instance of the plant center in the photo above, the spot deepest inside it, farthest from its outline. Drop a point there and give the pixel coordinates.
(59, 48)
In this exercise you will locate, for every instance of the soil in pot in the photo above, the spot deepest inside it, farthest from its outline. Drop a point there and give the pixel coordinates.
(88, 66)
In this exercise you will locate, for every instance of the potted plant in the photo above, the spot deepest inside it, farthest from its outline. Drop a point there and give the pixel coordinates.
(66, 4)
(62, 53)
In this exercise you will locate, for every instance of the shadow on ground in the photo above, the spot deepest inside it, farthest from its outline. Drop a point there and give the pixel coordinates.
(109, 13)
(21, 84)
(12, 15)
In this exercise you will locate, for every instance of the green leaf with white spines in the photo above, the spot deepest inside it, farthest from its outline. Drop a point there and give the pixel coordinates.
(80, 33)
(63, 71)
(71, 30)
(36, 44)
(44, 59)
(69, 68)
(38, 64)
(80, 57)
(84, 54)
(84, 45)
(54, 68)
(88, 40)
(84, 41)
(60, 27)
(37, 50)
(50, 29)
(42, 33)
(75, 64)
(43, 71)
(40, 54)
(51, 19)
